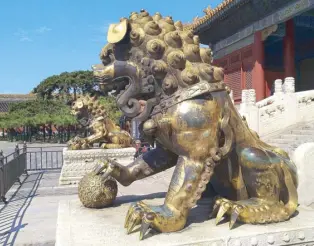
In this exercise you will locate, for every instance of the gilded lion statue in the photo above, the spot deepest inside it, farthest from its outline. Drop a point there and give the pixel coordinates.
(167, 81)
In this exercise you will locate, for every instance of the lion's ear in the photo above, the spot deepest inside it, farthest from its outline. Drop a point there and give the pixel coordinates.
(80, 104)
(117, 32)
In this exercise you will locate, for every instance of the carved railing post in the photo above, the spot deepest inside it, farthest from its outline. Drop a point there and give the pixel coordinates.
(16, 151)
(2, 184)
(244, 96)
(25, 157)
(278, 87)
(24, 147)
(251, 97)
(289, 85)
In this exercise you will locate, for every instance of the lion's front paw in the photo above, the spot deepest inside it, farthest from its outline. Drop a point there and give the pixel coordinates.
(138, 216)
(78, 143)
(160, 218)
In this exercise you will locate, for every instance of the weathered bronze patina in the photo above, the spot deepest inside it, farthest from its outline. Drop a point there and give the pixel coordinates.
(92, 115)
(96, 191)
(166, 80)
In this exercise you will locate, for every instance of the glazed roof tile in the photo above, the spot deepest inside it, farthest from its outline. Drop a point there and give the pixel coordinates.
(211, 14)
(4, 107)
(17, 96)
(7, 99)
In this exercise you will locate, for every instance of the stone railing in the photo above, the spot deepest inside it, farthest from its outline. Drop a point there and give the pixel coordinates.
(286, 107)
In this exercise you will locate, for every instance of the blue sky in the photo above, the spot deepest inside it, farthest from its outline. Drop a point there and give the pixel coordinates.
(40, 38)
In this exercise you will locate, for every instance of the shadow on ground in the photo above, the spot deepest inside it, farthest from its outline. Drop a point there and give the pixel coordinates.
(134, 198)
(12, 213)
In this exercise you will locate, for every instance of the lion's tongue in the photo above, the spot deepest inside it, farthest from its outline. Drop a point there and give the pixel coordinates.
(143, 104)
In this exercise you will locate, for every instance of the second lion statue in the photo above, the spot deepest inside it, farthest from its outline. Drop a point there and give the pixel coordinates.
(166, 81)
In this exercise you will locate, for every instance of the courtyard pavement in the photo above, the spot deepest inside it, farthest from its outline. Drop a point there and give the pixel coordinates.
(30, 217)
(31, 214)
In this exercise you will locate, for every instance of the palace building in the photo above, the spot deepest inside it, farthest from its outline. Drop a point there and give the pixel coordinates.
(7, 99)
(258, 41)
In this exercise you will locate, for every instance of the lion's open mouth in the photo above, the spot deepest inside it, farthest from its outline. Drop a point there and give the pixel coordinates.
(116, 87)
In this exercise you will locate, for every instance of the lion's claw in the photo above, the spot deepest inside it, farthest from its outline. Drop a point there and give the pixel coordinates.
(253, 211)
(147, 221)
(137, 215)
(133, 217)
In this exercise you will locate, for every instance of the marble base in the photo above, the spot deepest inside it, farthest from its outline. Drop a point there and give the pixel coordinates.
(303, 157)
(77, 225)
(76, 163)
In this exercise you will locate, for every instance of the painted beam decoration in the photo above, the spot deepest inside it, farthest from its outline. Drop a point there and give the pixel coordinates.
(279, 16)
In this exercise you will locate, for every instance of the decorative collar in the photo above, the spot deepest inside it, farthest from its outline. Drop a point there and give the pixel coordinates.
(190, 92)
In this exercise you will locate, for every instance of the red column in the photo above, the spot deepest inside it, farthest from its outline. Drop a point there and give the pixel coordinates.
(258, 75)
(289, 50)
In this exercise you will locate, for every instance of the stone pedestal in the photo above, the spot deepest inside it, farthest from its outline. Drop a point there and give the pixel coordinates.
(77, 225)
(76, 163)
(303, 157)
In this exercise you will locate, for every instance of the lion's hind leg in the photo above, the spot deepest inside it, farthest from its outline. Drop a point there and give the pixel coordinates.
(267, 178)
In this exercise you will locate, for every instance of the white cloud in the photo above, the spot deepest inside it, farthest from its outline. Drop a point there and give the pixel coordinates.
(23, 35)
(26, 39)
(99, 33)
(43, 29)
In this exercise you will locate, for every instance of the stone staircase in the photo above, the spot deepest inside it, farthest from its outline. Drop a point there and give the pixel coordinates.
(290, 138)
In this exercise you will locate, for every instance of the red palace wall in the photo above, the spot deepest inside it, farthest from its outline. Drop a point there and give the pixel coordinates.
(238, 70)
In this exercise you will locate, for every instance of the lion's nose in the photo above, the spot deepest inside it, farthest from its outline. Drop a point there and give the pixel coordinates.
(107, 73)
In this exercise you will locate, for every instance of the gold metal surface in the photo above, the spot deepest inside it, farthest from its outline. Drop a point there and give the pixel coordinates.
(189, 114)
(97, 191)
(117, 32)
(92, 115)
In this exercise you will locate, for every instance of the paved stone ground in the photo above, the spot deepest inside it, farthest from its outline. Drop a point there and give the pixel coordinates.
(31, 215)
(7, 147)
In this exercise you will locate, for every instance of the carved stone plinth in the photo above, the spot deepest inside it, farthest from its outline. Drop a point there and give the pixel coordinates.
(303, 158)
(77, 225)
(76, 163)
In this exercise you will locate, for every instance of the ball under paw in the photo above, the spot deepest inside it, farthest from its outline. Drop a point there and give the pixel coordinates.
(94, 192)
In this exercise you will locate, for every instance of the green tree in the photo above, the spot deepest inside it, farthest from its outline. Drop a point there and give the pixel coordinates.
(63, 85)
(111, 107)
(37, 113)
(51, 108)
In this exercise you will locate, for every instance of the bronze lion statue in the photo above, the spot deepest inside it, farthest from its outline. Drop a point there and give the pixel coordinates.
(166, 80)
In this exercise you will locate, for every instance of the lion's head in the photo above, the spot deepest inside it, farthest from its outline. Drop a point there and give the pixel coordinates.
(148, 58)
(85, 108)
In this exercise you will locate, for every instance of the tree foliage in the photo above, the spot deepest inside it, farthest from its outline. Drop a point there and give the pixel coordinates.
(111, 107)
(37, 112)
(52, 104)
(64, 84)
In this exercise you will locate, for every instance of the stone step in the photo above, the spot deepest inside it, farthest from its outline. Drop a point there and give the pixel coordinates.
(283, 141)
(292, 137)
(289, 136)
(309, 132)
(305, 127)
(284, 146)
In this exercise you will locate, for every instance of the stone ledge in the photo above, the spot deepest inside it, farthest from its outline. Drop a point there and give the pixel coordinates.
(77, 225)
(303, 158)
(76, 163)
(97, 153)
